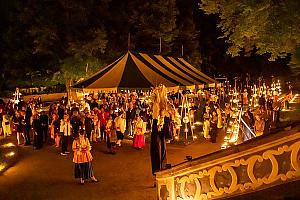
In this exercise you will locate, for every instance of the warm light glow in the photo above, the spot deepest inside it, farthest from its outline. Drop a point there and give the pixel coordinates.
(10, 154)
(176, 137)
(2, 166)
(195, 137)
(8, 145)
(186, 130)
(198, 123)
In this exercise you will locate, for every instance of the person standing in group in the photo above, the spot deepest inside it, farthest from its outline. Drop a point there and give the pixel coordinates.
(228, 113)
(220, 118)
(213, 126)
(111, 136)
(120, 124)
(54, 118)
(17, 121)
(88, 125)
(36, 129)
(6, 124)
(83, 158)
(57, 134)
(75, 122)
(65, 129)
(27, 128)
(206, 126)
(130, 115)
(103, 116)
(259, 125)
(139, 131)
(44, 120)
(96, 126)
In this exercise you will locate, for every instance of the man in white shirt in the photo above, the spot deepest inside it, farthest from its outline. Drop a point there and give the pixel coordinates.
(65, 129)
(120, 124)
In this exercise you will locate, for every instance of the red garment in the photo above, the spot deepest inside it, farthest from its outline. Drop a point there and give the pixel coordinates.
(103, 117)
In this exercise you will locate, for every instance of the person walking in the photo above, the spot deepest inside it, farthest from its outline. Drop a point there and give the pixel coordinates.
(83, 169)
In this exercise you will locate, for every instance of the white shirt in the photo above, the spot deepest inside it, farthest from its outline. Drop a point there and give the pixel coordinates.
(120, 124)
(65, 128)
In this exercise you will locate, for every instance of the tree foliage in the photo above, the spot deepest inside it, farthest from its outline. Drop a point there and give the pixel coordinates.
(264, 26)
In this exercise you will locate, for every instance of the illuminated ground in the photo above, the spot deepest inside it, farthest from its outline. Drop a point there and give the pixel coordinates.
(45, 174)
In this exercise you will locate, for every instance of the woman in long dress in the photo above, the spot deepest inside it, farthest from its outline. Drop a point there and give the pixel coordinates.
(139, 131)
(111, 136)
(6, 125)
(83, 159)
(220, 119)
(206, 126)
(213, 127)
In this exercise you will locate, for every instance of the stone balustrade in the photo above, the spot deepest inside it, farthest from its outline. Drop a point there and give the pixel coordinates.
(255, 165)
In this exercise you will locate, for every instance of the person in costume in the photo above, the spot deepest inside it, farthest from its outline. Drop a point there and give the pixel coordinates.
(139, 131)
(206, 125)
(65, 130)
(6, 119)
(213, 126)
(220, 118)
(83, 158)
(158, 142)
(111, 136)
(120, 123)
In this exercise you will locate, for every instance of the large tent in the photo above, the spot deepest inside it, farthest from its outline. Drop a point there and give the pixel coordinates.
(143, 71)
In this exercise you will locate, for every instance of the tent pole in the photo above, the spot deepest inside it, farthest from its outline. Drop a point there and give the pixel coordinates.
(159, 45)
(128, 42)
(182, 50)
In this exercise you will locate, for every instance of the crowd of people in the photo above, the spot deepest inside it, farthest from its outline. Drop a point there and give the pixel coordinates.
(109, 117)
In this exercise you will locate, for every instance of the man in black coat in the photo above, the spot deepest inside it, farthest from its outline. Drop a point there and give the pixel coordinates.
(89, 125)
(28, 115)
(44, 120)
(130, 115)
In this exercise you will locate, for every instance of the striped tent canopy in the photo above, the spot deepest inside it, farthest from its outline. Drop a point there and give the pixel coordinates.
(143, 71)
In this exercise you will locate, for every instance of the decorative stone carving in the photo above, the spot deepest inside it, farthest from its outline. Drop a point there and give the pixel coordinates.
(240, 182)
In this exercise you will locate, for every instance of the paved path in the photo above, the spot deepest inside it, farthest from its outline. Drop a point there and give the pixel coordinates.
(44, 174)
